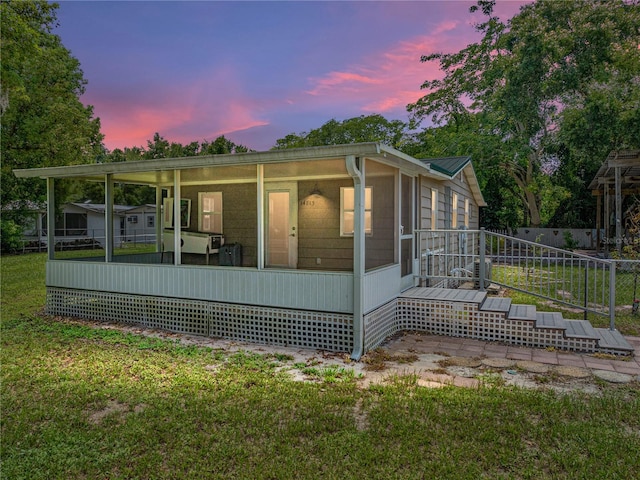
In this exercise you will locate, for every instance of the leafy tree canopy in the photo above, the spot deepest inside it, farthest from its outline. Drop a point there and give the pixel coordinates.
(43, 122)
(536, 82)
(158, 147)
(371, 128)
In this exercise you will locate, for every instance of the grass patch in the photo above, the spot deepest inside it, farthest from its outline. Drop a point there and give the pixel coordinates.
(85, 402)
(330, 373)
(570, 281)
(626, 323)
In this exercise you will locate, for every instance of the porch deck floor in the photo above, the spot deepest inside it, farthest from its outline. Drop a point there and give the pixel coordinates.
(445, 294)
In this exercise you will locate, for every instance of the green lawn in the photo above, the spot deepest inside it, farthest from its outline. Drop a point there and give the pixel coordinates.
(570, 281)
(83, 402)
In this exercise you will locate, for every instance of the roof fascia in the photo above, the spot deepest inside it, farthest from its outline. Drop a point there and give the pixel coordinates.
(248, 158)
(375, 151)
(474, 186)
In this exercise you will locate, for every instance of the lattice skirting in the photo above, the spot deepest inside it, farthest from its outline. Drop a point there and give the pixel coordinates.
(278, 326)
(461, 319)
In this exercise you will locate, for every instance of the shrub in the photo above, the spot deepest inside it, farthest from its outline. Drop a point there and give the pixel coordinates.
(10, 235)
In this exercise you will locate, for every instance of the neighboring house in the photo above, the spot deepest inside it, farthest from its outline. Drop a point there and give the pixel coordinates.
(140, 224)
(32, 214)
(616, 187)
(79, 221)
(301, 247)
(87, 220)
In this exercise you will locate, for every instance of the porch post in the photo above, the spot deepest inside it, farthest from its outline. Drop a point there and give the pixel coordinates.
(158, 223)
(51, 220)
(260, 225)
(358, 255)
(618, 210)
(598, 221)
(108, 218)
(482, 267)
(177, 247)
(607, 212)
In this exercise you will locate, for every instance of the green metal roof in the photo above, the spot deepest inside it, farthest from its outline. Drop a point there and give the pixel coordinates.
(448, 165)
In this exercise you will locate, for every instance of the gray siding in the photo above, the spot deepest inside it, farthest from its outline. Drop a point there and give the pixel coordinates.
(319, 227)
(239, 215)
(317, 291)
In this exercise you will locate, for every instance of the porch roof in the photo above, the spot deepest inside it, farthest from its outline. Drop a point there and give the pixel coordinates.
(451, 166)
(629, 163)
(448, 165)
(132, 171)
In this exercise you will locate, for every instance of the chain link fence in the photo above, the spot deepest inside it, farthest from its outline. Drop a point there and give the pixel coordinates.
(627, 299)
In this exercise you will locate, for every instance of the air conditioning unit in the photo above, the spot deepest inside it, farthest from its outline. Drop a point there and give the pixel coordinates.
(487, 273)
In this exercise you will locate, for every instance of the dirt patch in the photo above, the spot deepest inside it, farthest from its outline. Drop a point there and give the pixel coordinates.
(114, 407)
(376, 360)
(360, 416)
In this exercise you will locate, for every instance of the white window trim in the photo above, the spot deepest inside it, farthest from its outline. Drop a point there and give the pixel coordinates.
(202, 212)
(454, 210)
(434, 209)
(343, 190)
(467, 212)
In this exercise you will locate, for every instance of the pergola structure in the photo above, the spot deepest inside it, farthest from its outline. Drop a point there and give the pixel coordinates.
(614, 186)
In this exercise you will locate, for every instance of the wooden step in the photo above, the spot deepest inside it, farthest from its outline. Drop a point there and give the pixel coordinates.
(580, 329)
(550, 320)
(445, 294)
(612, 340)
(496, 304)
(522, 312)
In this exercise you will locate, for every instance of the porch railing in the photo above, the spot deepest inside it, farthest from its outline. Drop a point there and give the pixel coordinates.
(449, 258)
(82, 239)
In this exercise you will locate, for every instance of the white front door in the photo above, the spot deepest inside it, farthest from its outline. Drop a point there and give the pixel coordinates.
(282, 224)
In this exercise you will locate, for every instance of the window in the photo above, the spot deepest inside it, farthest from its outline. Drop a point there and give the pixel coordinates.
(454, 210)
(210, 219)
(466, 212)
(151, 221)
(72, 224)
(347, 211)
(406, 197)
(185, 212)
(434, 209)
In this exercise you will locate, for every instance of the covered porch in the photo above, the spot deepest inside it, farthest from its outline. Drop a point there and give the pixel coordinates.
(616, 187)
(284, 246)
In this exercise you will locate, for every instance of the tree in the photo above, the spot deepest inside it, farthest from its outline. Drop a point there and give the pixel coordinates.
(221, 145)
(504, 201)
(371, 128)
(43, 122)
(158, 147)
(527, 78)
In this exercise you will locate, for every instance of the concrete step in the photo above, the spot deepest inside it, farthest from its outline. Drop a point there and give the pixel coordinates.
(522, 312)
(550, 320)
(496, 304)
(580, 329)
(612, 341)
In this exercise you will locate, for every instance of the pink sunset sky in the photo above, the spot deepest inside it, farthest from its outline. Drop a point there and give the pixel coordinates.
(256, 71)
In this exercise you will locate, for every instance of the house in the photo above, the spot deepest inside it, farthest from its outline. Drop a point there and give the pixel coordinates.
(86, 220)
(140, 224)
(302, 247)
(615, 186)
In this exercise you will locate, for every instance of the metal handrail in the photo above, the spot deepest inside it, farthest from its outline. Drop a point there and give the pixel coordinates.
(568, 278)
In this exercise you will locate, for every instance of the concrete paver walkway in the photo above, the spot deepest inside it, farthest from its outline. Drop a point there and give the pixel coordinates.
(423, 344)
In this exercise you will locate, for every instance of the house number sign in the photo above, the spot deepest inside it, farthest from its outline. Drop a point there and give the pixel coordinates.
(310, 203)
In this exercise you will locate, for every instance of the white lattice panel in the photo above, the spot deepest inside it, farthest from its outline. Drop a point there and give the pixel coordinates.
(318, 330)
